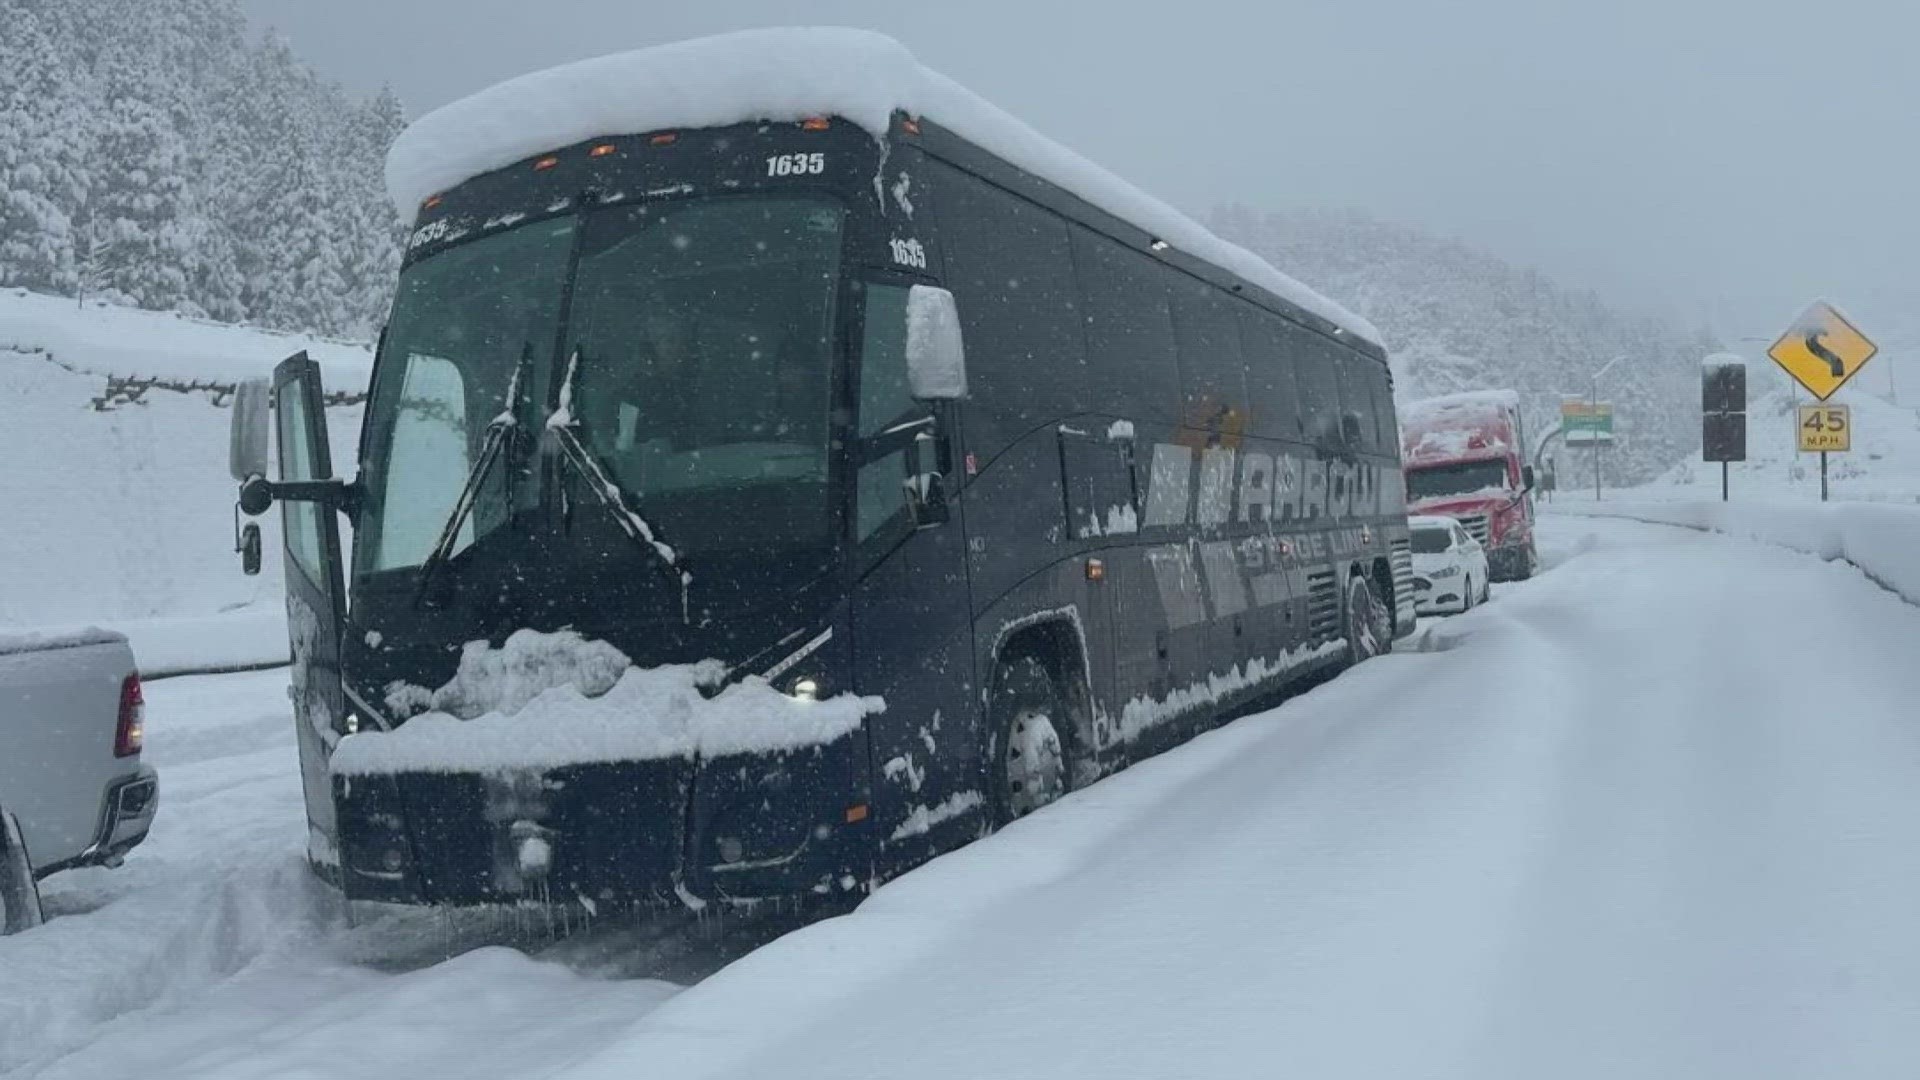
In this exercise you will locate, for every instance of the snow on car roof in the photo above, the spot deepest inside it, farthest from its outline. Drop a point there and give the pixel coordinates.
(1430, 521)
(782, 74)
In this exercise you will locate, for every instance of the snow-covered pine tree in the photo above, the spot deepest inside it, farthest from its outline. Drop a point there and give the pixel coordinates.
(151, 151)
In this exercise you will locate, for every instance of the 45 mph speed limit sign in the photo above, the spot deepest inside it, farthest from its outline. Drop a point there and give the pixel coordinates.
(1825, 428)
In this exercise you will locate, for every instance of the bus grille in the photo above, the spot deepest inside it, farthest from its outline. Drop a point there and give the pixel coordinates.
(1323, 604)
(1476, 526)
(1402, 579)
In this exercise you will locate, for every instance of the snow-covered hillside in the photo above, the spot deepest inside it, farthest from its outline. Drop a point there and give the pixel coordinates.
(123, 516)
(1456, 318)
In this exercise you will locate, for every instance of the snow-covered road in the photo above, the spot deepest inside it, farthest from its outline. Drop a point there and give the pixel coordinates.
(1656, 813)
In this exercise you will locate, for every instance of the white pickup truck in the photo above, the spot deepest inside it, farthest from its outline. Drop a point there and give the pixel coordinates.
(73, 791)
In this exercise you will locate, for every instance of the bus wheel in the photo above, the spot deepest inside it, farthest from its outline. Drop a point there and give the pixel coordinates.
(1033, 763)
(19, 895)
(1369, 625)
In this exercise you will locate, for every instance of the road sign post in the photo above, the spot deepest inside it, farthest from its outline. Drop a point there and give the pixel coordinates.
(1824, 429)
(1723, 413)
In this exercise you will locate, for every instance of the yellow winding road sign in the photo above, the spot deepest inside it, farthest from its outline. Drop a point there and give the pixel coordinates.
(1822, 350)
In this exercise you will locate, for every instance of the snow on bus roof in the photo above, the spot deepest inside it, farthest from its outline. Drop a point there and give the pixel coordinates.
(783, 74)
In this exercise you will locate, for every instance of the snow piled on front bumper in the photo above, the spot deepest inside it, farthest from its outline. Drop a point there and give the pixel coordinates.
(544, 701)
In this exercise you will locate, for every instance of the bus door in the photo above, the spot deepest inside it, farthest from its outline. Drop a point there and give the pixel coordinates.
(911, 602)
(316, 595)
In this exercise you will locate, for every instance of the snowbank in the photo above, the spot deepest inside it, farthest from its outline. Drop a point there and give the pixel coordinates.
(781, 74)
(1884, 464)
(546, 701)
(1882, 539)
(105, 339)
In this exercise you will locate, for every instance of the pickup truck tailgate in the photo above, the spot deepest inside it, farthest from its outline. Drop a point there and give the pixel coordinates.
(59, 708)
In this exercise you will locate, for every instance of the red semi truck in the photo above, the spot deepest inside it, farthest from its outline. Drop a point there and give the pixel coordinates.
(1465, 458)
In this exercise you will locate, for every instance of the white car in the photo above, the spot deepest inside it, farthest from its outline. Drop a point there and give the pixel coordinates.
(1449, 566)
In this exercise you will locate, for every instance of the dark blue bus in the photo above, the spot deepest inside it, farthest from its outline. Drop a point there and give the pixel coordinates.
(898, 418)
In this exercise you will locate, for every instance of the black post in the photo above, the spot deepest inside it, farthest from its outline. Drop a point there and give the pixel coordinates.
(1823, 476)
(1723, 481)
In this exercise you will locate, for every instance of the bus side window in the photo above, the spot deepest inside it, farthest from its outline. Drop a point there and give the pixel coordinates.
(1273, 396)
(1010, 266)
(885, 398)
(1319, 388)
(1356, 396)
(1212, 379)
(1132, 374)
(1383, 414)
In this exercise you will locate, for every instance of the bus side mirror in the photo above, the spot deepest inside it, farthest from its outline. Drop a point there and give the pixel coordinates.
(936, 359)
(247, 454)
(1526, 478)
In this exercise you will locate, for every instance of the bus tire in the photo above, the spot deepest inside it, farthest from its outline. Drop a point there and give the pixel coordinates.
(1369, 624)
(1030, 767)
(19, 894)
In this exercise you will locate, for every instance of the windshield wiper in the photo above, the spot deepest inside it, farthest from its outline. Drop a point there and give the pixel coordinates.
(561, 426)
(500, 436)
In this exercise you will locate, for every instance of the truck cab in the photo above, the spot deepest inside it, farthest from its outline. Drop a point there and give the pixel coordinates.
(1463, 458)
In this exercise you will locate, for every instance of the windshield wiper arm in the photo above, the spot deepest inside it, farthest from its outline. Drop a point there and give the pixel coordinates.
(576, 453)
(500, 432)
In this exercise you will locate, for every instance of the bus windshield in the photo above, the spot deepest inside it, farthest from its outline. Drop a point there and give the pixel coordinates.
(696, 339)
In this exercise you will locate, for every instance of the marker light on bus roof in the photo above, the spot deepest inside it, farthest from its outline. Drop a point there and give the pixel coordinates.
(602, 150)
(1158, 245)
(909, 125)
(664, 138)
(815, 123)
(546, 163)
(432, 201)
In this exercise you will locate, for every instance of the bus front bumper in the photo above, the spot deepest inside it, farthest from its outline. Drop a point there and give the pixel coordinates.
(733, 828)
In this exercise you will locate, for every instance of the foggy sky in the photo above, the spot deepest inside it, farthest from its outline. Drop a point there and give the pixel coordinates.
(1728, 161)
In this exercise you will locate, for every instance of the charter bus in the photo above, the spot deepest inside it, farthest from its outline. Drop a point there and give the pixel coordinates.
(883, 397)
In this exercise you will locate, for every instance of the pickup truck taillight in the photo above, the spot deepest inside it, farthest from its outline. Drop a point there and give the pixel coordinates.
(132, 729)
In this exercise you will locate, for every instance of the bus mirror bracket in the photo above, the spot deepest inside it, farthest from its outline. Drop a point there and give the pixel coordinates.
(1526, 478)
(257, 493)
(926, 495)
(936, 357)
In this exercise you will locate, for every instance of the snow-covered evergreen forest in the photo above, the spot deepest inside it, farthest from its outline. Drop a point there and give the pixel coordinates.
(156, 153)
(1456, 318)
